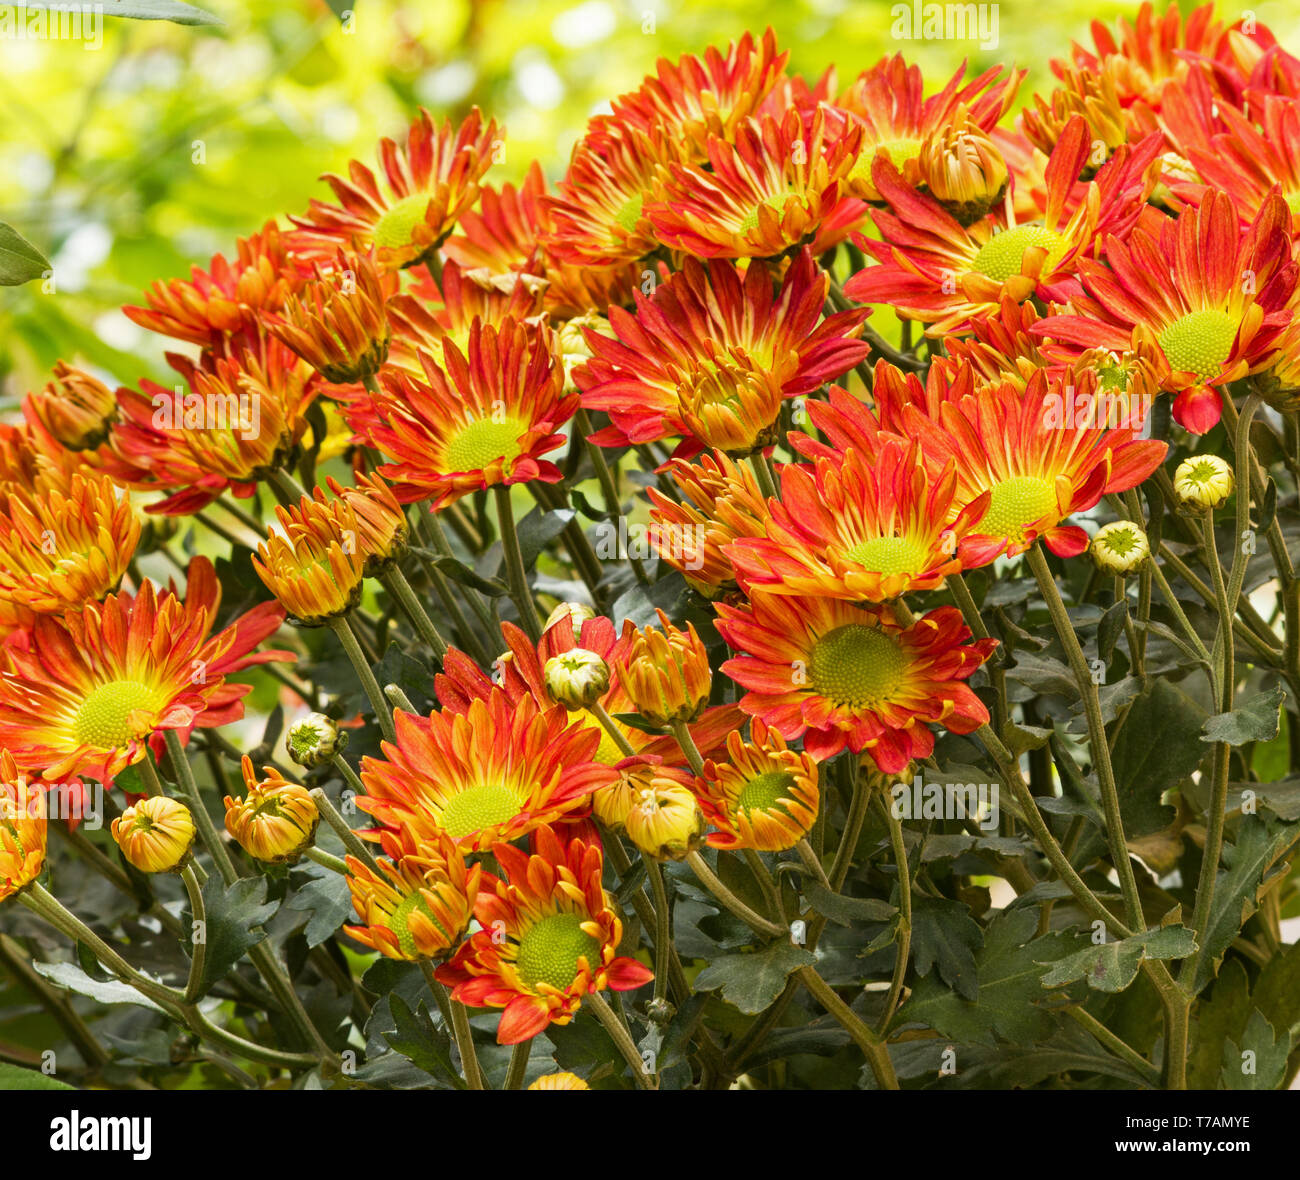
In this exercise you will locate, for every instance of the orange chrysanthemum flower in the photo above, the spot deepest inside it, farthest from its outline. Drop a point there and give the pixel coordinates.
(75, 408)
(485, 420)
(381, 528)
(778, 185)
(888, 103)
(23, 828)
(712, 353)
(227, 298)
(666, 674)
(276, 820)
(62, 544)
(494, 772)
(722, 504)
(241, 418)
(935, 270)
(867, 528)
(417, 908)
(560, 937)
(764, 796)
(315, 565)
(1213, 297)
(431, 181)
(84, 693)
(847, 677)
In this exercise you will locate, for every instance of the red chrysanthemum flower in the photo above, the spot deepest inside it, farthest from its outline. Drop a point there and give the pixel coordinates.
(430, 182)
(712, 352)
(83, 694)
(486, 418)
(549, 938)
(778, 185)
(1212, 296)
(934, 270)
(847, 677)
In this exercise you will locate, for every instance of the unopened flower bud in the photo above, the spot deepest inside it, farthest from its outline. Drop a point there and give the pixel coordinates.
(1203, 482)
(276, 821)
(665, 820)
(963, 169)
(577, 678)
(77, 409)
(1120, 547)
(314, 740)
(576, 612)
(667, 674)
(155, 834)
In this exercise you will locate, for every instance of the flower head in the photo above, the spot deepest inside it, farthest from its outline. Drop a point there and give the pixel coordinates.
(1203, 482)
(155, 834)
(577, 678)
(963, 170)
(559, 1081)
(75, 408)
(1119, 547)
(315, 564)
(276, 821)
(664, 819)
(549, 938)
(381, 528)
(666, 674)
(22, 828)
(314, 740)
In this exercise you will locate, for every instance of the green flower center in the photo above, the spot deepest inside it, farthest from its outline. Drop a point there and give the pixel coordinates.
(630, 213)
(775, 201)
(898, 150)
(1120, 542)
(1200, 342)
(477, 808)
(550, 949)
(1001, 256)
(103, 721)
(890, 555)
(1016, 502)
(482, 442)
(764, 792)
(396, 227)
(399, 922)
(857, 665)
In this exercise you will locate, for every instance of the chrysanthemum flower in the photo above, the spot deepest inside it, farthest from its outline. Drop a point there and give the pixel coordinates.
(763, 796)
(486, 420)
(961, 167)
(155, 834)
(847, 677)
(686, 103)
(22, 828)
(1204, 482)
(611, 803)
(722, 504)
(87, 691)
(559, 1081)
(276, 820)
(315, 564)
(494, 772)
(888, 102)
(381, 528)
(779, 184)
(336, 323)
(867, 528)
(712, 353)
(599, 213)
(241, 417)
(430, 182)
(1093, 96)
(560, 937)
(1212, 296)
(62, 544)
(228, 297)
(664, 820)
(418, 908)
(75, 408)
(934, 270)
(666, 675)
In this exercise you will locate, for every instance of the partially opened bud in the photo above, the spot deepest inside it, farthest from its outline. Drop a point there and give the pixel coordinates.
(22, 828)
(576, 612)
(315, 565)
(1120, 547)
(667, 674)
(315, 740)
(76, 408)
(963, 169)
(1203, 482)
(155, 834)
(665, 820)
(577, 678)
(381, 524)
(276, 821)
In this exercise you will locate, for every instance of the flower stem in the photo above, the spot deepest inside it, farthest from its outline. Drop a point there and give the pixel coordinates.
(682, 732)
(622, 1039)
(663, 926)
(710, 881)
(877, 1052)
(904, 915)
(516, 578)
(198, 915)
(400, 589)
(763, 475)
(351, 841)
(460, 1029)
(518, 1065)
(202, 820)
(383, 712)
(617, 736)
(327, 861)
(812, 864)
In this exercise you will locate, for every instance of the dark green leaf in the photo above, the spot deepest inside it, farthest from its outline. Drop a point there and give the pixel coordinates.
(74, 979)
(751, 982)
(1155, 750)
(1256, 721)
(1221, 1017)
(418, 1040)
(844, 910)
(1112, 966)
(1259, 1061)
(943, 932)
(234, 920)
(1111, 628)
(538, 529)
(327, 899)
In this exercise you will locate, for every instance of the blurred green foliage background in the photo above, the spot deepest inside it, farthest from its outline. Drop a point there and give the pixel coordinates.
(136, 160)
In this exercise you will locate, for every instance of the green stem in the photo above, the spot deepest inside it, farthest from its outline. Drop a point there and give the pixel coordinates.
(202, 820)
(904, 915)
(198, 914)
(622, 1039)
(518, 1065)
(1120, 1048)
(400, 589)
(383, 712)
(460, 1030)
(327, 861)
(682, 732)
(729, 900)
(617, 736)
(875, 1049)
(763, 475)
(663, 927)
(516, 579)
(351, 841)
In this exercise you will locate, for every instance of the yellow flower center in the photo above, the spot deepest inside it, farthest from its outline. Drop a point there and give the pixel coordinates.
(483, 441)
(1016, 502)
(1200, 342)
(630, 213)
(395, 228)
(857, 665)
(890, 555)
(549, 951)
(399, 922)
(764, 792)
(104, 719)
(479, 807)
(898, 150)
(1001, 256)
(774, 201)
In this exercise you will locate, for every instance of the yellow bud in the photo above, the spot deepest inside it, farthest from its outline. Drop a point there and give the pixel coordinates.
(577, 678)
(1203, 482)
(155, 834)
(1120, 547)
